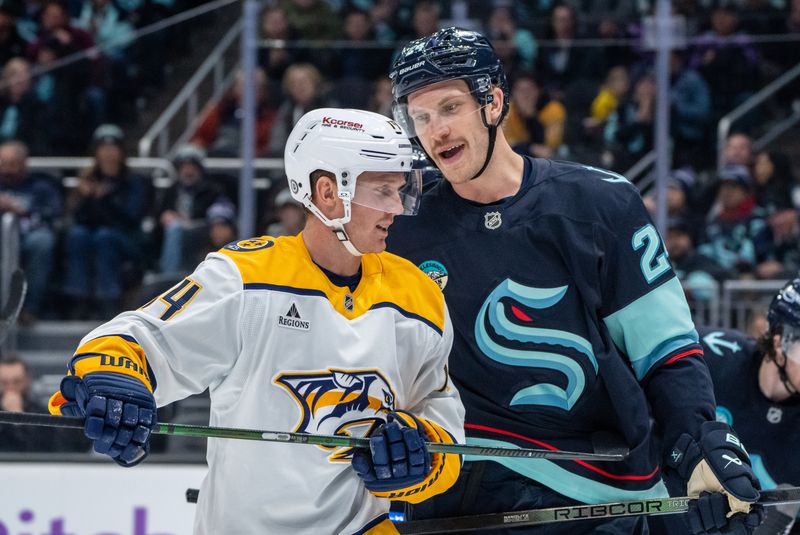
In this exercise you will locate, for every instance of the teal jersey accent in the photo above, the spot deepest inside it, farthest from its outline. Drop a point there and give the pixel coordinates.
(564, 482)
(646, 337)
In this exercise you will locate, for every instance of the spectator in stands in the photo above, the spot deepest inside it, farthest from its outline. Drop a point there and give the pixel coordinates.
(313, 19)
(303, 92)
(357, 61)
(34, 199)
(594, 12)
(733, 223)
(219, 132)
(774, 182)
(563, 64)
(415, 20)
(72, 96)
(355, 65)
(385, 20)
(629, 131)
(424, 19)
(727, 59)
(112, 32)
(690, 107)
(697, 272)
(182, 212)
(276, 59)
(108, 26)
(738, 150)
(12, 44)
(612, 91)
(515, 46)
(680, 194)
(777, 245)
(104, 241)
(221, 218)
(291, 216)
(20, 113)
(381, 99)
(16, 396)
(534, 125)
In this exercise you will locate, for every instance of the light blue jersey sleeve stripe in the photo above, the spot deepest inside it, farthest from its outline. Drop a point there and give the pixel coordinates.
(653, 326)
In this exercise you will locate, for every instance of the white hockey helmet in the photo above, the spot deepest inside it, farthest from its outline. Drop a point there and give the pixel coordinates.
(346, 143)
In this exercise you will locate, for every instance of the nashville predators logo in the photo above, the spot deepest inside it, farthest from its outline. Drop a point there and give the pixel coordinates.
(252, 244)
(339, 402)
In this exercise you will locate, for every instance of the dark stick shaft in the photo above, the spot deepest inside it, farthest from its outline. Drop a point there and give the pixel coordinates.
(534, 517)
(286, 437)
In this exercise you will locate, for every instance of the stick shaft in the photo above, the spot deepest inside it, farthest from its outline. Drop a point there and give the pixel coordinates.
(534, 517)
(202, 431)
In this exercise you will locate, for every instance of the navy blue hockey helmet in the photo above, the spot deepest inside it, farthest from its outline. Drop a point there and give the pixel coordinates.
(449, 54)
(785, 307)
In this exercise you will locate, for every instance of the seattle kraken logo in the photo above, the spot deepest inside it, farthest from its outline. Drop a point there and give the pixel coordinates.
(339, 402)
(510, 300)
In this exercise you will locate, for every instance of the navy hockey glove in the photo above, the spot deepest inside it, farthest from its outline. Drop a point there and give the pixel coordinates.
(718, 473)
(120, 413)
(397, 456)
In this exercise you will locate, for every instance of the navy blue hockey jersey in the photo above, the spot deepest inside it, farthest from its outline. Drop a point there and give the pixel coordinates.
(770, 431)
(569, 321)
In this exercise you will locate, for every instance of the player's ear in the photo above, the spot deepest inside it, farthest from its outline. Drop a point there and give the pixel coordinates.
(495, 107)
(325, 191)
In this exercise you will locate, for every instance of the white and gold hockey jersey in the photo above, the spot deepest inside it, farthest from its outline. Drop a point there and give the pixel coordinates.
(281, 348)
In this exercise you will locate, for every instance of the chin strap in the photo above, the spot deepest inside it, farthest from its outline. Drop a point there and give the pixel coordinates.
(336, 225)
(492, 128)
(794, 395)
(341, 235)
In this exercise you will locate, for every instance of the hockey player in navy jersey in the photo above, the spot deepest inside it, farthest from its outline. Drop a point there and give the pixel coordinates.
(757, 386)
(321, 333)
(570, 325)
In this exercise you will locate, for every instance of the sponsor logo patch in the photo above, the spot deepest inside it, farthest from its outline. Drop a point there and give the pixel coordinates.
(292, 320)
(436, 271)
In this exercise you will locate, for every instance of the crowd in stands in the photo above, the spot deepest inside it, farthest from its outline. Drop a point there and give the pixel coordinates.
(570, 99)
(68, 66)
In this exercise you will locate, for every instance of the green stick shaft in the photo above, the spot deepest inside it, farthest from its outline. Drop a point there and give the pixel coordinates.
(286, 437)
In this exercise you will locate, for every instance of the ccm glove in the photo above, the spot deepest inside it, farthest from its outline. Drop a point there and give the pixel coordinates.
(718, 473)
(397, 456)
(119, 409)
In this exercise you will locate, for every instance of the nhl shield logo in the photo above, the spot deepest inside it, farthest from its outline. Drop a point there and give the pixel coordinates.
(492, 220)
(348, 302)
(774, 415)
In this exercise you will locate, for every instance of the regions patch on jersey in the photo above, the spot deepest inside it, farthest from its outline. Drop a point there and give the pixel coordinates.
(436, 271)
(252, 244)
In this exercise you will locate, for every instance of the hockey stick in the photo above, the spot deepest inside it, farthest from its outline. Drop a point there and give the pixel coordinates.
(12, 306)
(535, 517)
(185, 430)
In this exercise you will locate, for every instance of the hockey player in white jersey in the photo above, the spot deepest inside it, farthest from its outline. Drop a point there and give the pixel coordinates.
(318, 333)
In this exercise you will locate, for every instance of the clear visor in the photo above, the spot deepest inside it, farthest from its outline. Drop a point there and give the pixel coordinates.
(397, 193)
(428, 113)
(790, 343)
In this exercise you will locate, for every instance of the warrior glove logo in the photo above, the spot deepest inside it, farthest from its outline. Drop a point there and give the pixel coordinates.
(292, 320)
(339, 402)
